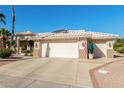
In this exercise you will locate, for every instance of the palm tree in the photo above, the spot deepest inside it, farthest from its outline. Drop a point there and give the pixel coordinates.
(5, 37)
(2, 18)
(13, 22)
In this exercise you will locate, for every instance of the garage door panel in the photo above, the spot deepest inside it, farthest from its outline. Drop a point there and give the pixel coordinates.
(66, 50)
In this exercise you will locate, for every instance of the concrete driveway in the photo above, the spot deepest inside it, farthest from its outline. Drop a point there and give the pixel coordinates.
(47, 73)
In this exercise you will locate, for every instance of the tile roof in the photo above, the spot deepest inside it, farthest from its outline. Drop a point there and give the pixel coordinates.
(75, 34)
(25, 33)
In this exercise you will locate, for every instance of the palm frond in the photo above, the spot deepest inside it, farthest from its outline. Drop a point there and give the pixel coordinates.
(2, 16)
(3, 21)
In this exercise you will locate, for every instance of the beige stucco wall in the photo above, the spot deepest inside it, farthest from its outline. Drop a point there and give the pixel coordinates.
(101, 48)
(82, 53)
(37, 50)
(110, 53)
(38, 54)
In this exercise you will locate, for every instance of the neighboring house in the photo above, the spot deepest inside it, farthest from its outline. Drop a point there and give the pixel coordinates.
(22, 38)
(68, 43)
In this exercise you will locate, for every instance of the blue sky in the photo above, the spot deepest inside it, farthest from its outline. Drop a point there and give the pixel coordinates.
(108, 19)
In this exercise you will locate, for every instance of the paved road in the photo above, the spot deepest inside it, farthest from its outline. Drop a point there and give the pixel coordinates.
(47, 73)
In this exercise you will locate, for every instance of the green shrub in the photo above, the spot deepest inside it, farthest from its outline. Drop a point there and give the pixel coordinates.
(26, 54)
(120, 50)
(5, 53)
(27, 51)
(30, 54)
(119, 46)
(90, 47)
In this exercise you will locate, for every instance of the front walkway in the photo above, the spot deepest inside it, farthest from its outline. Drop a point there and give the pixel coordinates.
(113, 79)
(48, 72)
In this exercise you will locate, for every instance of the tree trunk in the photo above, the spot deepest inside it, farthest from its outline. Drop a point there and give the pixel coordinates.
(13, 21)
(13, 26)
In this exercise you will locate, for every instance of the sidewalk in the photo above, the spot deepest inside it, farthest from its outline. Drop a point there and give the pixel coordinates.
(115, 77)
(13, 58)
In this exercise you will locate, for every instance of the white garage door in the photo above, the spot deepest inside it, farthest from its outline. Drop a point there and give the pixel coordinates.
(65, 50)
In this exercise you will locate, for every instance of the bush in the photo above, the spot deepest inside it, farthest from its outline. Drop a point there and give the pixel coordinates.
(28, 53)
(5, 53)
(119, 46)
(90, 47)
(120, 50)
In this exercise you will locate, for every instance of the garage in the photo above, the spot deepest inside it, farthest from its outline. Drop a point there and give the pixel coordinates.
(64, 50)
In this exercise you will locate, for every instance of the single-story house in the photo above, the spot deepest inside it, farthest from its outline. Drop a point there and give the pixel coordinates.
(73, 44)
(67, 43)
